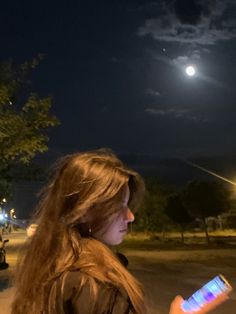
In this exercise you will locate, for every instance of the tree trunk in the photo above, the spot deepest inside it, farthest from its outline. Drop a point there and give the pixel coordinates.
(206, 231)
(1, 232)
(220, 222)
(182, 234)
(163, 234)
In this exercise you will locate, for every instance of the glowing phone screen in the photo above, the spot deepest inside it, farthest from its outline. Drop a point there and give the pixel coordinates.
(206, 294)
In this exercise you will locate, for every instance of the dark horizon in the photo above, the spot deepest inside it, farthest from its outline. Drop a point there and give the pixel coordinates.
(173, 173)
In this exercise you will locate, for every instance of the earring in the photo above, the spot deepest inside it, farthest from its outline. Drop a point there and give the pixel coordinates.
(90, 230)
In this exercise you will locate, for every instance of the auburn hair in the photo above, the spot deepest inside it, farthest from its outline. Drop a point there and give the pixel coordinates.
(88, 184)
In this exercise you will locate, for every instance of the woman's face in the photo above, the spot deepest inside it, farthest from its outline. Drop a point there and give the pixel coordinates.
(117, 230)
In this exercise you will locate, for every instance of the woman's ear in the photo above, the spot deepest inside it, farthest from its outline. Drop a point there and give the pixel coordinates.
(84, 229)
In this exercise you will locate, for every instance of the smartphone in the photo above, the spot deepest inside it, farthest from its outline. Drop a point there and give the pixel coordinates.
(208, 293)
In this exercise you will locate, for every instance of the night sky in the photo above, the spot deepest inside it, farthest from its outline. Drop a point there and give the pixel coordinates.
(116, 71)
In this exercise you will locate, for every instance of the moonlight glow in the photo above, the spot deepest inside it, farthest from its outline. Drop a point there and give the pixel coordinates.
(190, 70)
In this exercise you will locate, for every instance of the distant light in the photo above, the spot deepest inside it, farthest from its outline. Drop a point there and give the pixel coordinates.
(190, 70)
(1, 217)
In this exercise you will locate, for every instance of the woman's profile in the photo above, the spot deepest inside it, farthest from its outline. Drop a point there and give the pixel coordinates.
(67, 266)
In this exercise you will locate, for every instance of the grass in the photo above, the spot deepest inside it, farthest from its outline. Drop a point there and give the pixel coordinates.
(172, 241)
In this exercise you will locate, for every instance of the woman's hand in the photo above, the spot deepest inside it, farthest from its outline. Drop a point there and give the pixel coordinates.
(175, 307)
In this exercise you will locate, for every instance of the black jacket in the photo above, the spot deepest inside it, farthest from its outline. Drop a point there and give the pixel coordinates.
(75, 300)
(71, 299)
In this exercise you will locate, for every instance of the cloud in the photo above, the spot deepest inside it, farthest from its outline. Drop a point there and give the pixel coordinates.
(166, 112)
(174, 113)
(181, 60)
(202, 22)
(193, 59)
(152, 92)
(184, 60)
(196, 55)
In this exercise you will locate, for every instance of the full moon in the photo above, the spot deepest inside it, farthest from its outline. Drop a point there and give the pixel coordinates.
(190, 70)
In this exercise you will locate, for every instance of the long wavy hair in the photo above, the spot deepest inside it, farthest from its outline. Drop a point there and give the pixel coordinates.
(89, 184)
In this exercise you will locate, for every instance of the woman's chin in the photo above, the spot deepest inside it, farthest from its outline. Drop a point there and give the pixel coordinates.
(115, 242)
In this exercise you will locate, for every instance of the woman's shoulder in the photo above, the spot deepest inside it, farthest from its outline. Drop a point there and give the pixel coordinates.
(71, 281)
(76, 278)
(79, 297)
(79, 281)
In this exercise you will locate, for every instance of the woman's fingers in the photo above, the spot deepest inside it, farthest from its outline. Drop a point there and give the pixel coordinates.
(175, 307)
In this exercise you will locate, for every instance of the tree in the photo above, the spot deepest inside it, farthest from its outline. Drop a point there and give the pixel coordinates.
(204, 199)
(177, 212)
(151, 216)
(24, 119)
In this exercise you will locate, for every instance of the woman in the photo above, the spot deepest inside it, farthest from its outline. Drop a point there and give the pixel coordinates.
(67, 266)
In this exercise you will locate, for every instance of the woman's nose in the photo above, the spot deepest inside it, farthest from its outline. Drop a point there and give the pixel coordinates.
(129, 216)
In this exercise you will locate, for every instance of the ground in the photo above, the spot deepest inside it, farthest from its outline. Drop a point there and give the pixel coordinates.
(165, 271)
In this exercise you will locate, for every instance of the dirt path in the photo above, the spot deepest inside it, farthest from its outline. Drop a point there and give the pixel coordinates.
(164, 274)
